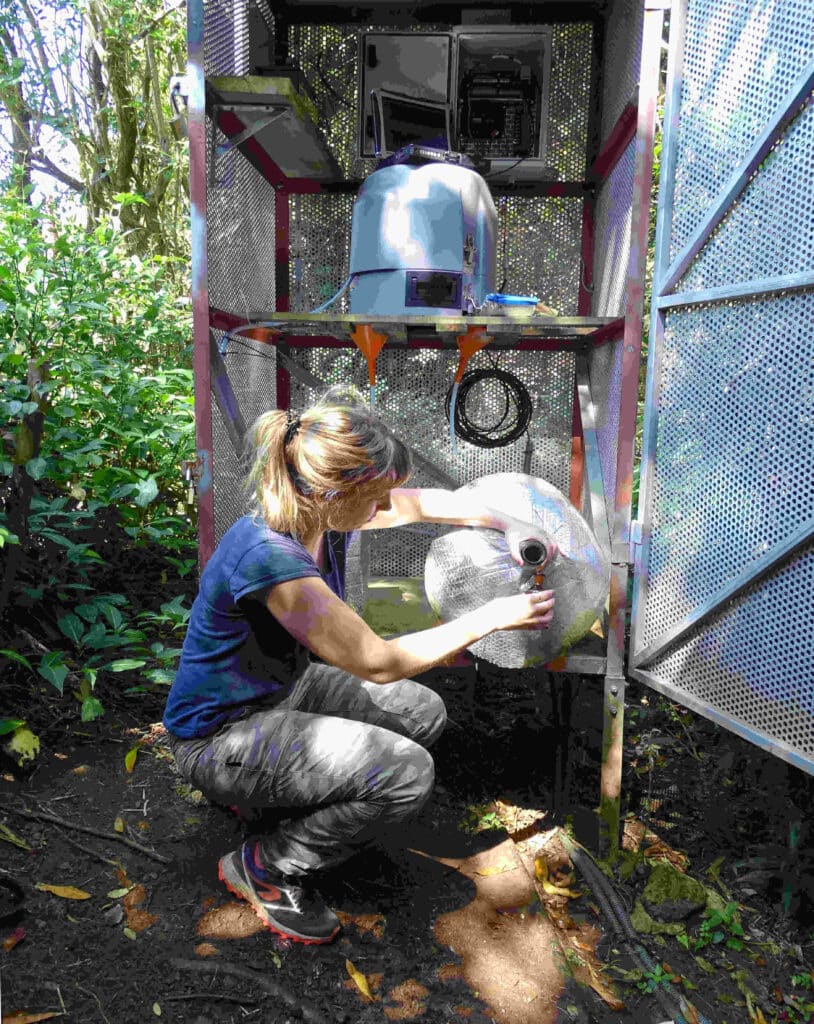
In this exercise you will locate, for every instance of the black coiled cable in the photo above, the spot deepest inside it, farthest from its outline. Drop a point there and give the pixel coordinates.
(511, 419)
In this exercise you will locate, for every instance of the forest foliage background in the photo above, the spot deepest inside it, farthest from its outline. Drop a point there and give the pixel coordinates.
(96, 406)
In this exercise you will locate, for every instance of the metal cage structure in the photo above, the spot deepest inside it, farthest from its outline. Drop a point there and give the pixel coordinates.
(275, 167)
(271, 242)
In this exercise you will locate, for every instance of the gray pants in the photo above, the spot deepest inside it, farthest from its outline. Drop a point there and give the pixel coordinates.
(348, 756)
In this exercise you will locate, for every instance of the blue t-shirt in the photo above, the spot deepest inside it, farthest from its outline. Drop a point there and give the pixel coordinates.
(235, 652)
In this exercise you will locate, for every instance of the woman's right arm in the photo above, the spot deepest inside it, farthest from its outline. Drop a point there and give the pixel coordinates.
(312, 613)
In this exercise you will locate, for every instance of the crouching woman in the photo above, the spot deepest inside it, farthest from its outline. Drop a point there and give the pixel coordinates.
(284, 697)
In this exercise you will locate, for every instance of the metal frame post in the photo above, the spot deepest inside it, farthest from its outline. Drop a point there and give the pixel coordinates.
(200, 291)
(615, 682)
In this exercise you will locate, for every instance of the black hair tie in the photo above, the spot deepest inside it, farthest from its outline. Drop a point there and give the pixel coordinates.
(291, 430)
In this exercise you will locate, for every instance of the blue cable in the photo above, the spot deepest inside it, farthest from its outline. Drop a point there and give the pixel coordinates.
(452, 401)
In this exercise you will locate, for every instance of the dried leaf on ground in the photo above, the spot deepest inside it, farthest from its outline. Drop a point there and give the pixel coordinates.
(66, 892)
(14, 939)
(26, 1017)
(130, 759)
(359, 980)
(372, 924)
(410, 999)
(498, 869)
(11, 837)
(138, 919)
(541, 874)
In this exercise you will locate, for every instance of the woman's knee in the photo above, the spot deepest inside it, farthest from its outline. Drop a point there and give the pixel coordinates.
(407, 785)
(435, 717)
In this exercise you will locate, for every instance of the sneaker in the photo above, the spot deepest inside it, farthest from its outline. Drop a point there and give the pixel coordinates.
(281, 904)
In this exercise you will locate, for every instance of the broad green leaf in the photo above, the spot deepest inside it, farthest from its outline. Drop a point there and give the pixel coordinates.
(8, 725)
(130, 758)
(91, 709)
(71, 625)
(52, 667)
(36, 468)
(16, 656)
(146, 491)
(125, 664)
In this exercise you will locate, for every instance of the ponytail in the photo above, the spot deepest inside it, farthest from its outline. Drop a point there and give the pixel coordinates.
(304, 471)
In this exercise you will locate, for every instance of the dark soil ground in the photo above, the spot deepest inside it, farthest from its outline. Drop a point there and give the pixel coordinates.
(453, 920)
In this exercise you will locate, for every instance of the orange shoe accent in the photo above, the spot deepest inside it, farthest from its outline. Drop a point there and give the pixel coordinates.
(265, 921)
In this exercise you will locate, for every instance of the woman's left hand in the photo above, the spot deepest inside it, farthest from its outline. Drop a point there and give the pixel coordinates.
(518, 534)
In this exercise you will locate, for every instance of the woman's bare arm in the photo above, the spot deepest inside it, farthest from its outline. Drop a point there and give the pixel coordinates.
(312, 613)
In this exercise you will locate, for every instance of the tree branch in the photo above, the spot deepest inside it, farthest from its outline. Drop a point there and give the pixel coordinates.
(40, 162)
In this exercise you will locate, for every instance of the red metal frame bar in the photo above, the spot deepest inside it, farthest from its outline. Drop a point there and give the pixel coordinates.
(622, 134)
(231, 125)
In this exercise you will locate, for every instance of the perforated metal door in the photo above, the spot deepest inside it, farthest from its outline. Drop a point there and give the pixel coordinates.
(724, 595)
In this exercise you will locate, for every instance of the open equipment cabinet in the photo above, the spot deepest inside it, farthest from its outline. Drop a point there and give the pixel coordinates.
(555, 103)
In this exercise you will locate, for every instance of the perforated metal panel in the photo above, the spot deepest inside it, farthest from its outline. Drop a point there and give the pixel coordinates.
(773, 208)
(621, 60)
(226, 37)
(319, 248)
(739, 61)
(240, 232)
(252, 371)
(725, 576)
(538, 251)
(612, 233)
(605, 370)
(571, 64)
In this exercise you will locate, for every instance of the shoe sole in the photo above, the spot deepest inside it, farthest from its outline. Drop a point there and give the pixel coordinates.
(262, 915)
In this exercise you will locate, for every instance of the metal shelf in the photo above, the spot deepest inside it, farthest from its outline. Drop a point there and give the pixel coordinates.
(508, 329)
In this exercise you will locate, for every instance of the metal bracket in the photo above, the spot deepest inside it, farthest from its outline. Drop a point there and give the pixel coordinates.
(192, 470)
(252, 129)
(179, 101)
(635, 539)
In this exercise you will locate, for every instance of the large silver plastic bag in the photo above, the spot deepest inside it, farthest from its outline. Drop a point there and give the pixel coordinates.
(468, 567)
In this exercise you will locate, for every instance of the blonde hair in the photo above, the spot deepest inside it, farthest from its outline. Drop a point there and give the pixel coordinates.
(305, 472)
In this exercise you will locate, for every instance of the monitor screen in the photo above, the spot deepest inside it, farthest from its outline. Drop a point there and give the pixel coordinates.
(399, 120)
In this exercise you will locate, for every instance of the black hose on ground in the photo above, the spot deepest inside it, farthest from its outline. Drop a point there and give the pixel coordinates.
(617, 915)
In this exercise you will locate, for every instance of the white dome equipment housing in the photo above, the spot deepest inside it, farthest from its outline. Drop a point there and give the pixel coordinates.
(422, 239)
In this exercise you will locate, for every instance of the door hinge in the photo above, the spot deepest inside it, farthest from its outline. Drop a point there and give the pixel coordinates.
(635, 539)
